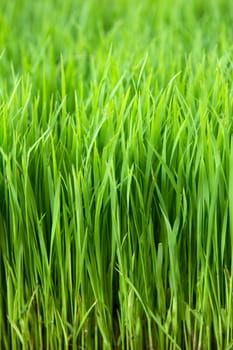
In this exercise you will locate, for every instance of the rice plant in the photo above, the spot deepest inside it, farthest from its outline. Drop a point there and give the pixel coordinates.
(116, 175)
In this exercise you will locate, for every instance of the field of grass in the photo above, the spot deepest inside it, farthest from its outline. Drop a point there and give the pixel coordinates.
(116, 174)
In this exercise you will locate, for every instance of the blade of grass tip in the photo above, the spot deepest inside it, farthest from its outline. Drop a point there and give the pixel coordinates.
(117, 86)
(108, 63)
(94, 138)
(43, 137)
(123, 111)
(63, 89)
(13, 94)
(142, 69)
(177, 139)
(166, 168)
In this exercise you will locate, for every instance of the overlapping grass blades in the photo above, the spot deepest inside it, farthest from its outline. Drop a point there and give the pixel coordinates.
(116, 175)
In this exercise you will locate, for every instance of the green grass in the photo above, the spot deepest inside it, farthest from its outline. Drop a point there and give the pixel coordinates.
(116, 174)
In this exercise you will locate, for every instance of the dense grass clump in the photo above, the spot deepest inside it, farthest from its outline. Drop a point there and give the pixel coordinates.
(116, 174)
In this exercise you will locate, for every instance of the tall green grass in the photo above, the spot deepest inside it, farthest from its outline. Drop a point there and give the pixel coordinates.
(116, 175)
